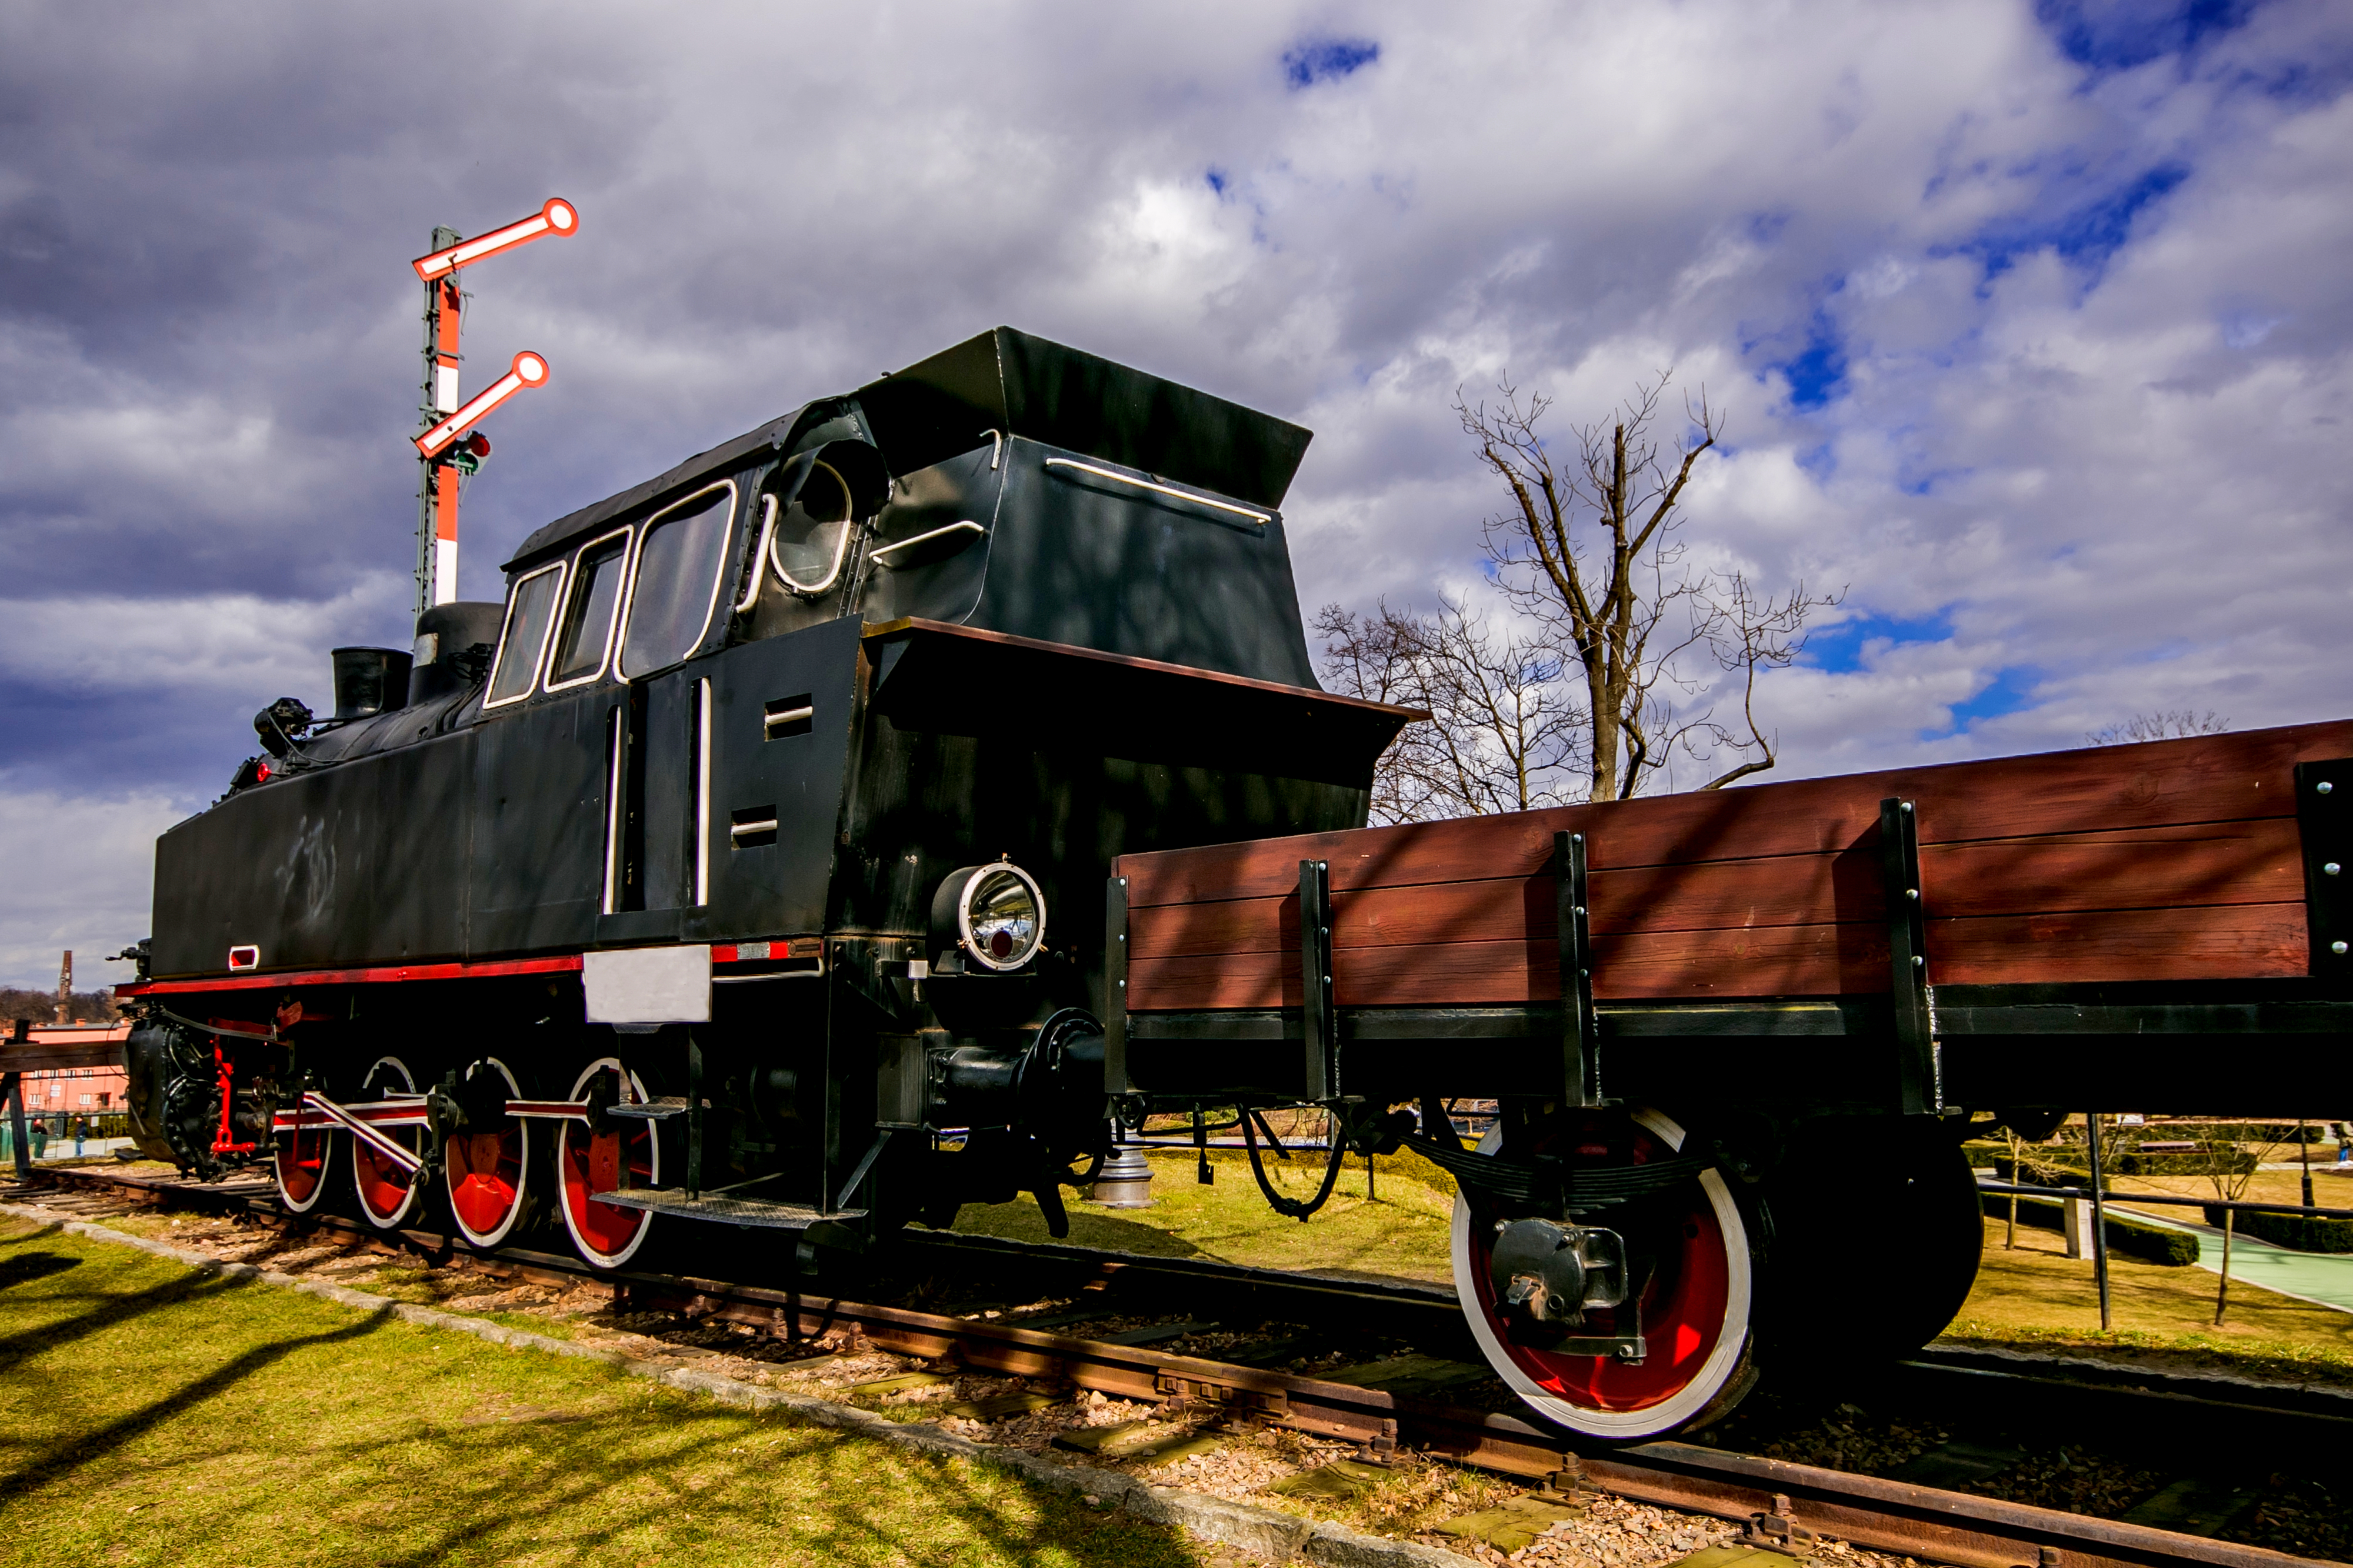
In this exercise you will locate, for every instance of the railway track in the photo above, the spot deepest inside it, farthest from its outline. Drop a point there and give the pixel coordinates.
(1783, 1502)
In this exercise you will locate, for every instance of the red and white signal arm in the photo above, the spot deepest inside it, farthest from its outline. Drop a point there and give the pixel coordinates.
(528, 369)
(557, 217)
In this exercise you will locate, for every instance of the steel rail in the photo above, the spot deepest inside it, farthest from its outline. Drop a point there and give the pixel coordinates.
(1957, 1528)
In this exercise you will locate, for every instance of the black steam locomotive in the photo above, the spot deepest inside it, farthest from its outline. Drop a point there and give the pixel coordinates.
(760, 835)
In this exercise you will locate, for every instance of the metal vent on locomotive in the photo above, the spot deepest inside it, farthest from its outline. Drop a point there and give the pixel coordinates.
(992, 917)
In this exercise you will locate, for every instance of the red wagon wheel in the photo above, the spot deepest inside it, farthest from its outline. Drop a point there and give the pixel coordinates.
(387, 1198)
(1694, 1301)
(488, 1170)
(587, 1163)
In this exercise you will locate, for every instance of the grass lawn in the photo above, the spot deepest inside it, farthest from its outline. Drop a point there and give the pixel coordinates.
(148, 1414)
(1400, 1233)
(2038, 1295)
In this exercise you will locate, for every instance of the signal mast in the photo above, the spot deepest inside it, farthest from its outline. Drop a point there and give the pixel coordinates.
(448, 444)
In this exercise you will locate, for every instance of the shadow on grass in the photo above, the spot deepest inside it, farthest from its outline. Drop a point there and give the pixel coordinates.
(107, 1310)
(25, 1267)
(442, 1450)
(714, 1481)
(1020, 1221)
(709, 1484)
(79, 1451)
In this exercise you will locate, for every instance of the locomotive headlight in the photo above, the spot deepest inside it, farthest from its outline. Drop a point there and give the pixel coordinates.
(996, 915)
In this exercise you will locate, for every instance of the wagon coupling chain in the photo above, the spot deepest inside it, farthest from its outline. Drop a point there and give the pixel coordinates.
(1254, 1122)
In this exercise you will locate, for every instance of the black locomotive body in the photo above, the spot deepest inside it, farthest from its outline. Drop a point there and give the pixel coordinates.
(750, 855)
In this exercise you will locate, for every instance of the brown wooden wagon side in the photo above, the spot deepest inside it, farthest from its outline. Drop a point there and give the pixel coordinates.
(2159, 896)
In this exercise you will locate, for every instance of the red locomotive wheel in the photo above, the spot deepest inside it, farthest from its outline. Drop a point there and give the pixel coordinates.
(305, 1161)
(1695, 1311)
(588, 1162)
(488, 1171)
(387, 1199)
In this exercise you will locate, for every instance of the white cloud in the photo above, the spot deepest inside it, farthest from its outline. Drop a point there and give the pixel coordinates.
(226, 643)
(80, 871)
(2096, 480)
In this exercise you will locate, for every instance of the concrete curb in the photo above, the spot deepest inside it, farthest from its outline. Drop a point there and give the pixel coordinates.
(1263, 1531)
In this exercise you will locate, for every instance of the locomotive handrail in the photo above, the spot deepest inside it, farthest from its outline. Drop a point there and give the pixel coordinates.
(759, 557)
(880, 550)
(1261, 518)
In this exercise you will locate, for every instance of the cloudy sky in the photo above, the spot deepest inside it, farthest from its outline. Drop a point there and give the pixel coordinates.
(2031, 322)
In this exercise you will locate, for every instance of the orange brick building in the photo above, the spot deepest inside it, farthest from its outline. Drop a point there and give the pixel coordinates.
(55, 1092)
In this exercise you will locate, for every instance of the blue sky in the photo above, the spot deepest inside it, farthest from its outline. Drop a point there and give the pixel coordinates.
(2030, 322)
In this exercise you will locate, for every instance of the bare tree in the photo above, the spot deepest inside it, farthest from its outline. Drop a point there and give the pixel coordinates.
(1589, 552)
(1505, 731)
(1748, 632)
(2169, 725)
(2230, 1169)
(1371, 657)
(41, 1006)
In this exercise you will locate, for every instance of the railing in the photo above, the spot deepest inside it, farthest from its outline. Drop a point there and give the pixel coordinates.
(2111, 1195)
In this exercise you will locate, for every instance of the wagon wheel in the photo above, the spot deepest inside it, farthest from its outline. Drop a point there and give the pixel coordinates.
(1908, 1188)
(1688, 1251)
(488, 1167)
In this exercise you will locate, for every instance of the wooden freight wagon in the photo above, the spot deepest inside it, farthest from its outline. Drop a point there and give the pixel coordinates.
(1795, 997)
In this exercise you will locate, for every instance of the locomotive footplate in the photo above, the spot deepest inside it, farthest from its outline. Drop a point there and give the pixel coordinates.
(724, 1209)
(659, 1108)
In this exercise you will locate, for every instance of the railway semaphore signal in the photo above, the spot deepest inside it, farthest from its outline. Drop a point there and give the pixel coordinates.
(528, 369)
(438, 444)
(557, 217)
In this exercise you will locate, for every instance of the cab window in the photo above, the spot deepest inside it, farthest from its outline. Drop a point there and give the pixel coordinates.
(677, 588)
(530, 613)
(585, 639)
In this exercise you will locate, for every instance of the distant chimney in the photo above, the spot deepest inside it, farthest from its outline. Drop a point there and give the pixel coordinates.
(65, 989)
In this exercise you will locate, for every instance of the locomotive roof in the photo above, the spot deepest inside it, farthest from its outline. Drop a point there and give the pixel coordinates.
(1010, 381)
(565, 530)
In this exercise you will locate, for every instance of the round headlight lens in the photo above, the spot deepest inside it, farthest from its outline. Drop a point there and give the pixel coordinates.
(1003, 917)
